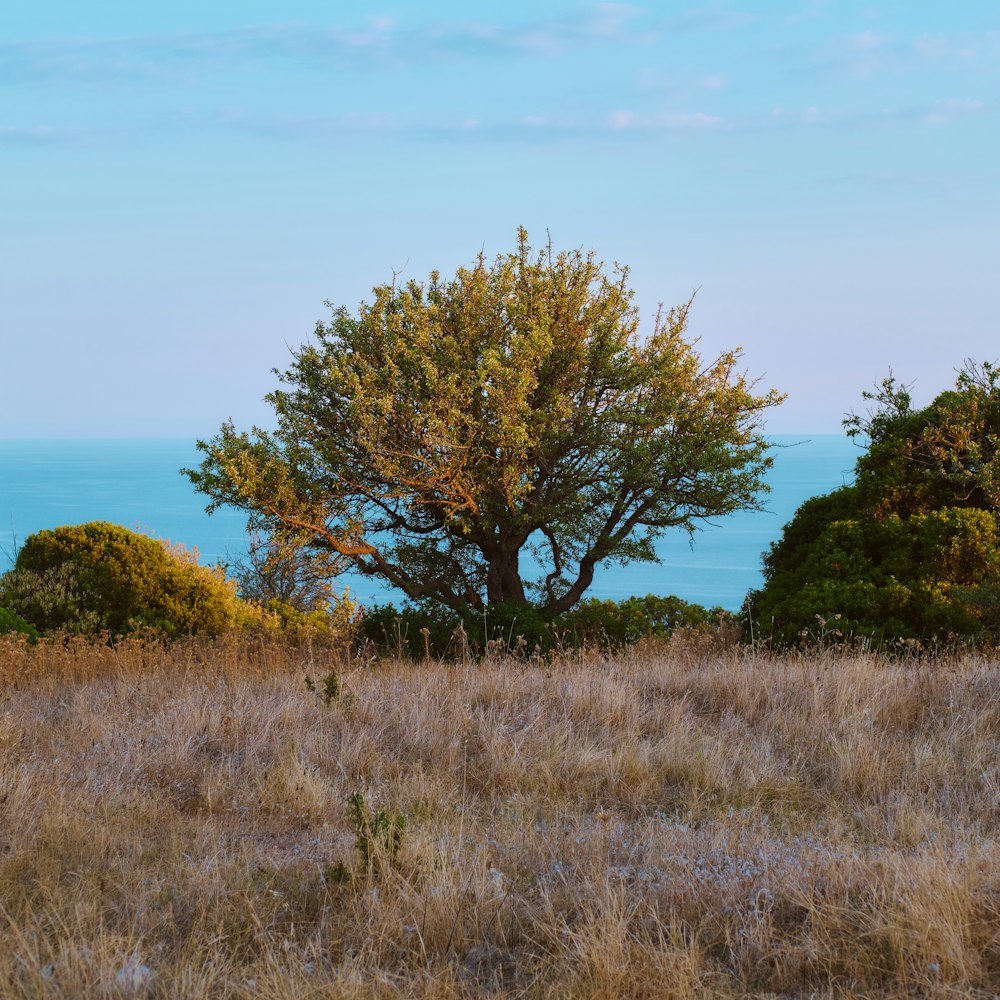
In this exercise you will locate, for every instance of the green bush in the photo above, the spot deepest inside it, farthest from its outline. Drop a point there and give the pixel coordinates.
(895, 578)
(911, 551)
(412, 630)
(11, 622)
(431, 630)
(96, 577)
(618, 624)
(509, 627)
(378, 834)
(417, 631)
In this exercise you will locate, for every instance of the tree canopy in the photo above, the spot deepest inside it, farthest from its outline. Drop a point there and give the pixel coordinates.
(451, 428)
(912, 549)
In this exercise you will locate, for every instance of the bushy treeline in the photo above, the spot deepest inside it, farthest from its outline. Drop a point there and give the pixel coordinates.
(102, 579)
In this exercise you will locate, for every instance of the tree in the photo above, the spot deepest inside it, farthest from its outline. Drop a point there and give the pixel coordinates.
(912, 549)
(945, 455)
(450, 428)
(282, 571)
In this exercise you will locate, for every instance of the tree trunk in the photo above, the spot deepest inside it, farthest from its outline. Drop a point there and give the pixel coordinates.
(583, 580)
(503, 578)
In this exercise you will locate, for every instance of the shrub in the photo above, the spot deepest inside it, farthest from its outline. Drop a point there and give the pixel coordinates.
(330, 621)
(911, 551)
(97, 577)
(412, 630)
(423, 630)
(11, 622)
(618, 624)
(508, 627)
(417, 631)
(378, 834)
(897, 578)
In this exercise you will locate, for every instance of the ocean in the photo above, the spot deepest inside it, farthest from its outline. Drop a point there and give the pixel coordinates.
(136, 483)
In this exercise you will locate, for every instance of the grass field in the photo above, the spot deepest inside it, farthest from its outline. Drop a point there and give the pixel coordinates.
(678, 821)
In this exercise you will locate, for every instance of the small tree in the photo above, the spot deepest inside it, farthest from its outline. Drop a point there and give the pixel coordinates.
(293, 585)
(281, 570)
(450, 427)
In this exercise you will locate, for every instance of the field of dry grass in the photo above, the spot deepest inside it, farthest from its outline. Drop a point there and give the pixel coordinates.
(675, 822)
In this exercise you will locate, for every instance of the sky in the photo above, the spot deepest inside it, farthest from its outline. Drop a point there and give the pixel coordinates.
(183, 185)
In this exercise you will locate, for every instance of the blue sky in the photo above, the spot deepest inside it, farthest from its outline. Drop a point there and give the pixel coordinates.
(182, 185)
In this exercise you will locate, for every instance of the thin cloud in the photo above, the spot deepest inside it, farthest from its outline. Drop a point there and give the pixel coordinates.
(697, 120)
(378, 43)
(939, 113)
(654, 80)
(961, 48)
(866, 54)
(809, 11)
(302, 127)
(39, 135)
(536, 128)
(711, 18)
(872, 178)
(866, 41)
(622, 123)
(945, 112)
(540, 124)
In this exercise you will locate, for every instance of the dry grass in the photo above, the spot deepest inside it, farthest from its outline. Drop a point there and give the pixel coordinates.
(677, 822)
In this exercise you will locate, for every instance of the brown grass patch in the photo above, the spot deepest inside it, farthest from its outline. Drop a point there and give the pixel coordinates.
(678, 821)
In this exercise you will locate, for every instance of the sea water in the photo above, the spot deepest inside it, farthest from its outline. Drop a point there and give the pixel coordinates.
(137, 483)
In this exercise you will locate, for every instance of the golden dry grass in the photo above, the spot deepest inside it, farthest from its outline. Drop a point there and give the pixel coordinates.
(676, 822)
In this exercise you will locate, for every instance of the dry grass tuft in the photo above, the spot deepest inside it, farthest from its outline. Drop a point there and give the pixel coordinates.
(680, 821)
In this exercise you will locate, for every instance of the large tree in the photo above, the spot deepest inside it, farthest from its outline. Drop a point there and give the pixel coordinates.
(451, 427)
